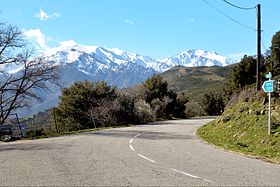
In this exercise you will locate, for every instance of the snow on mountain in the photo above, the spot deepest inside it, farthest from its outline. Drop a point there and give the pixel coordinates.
(88, 58)
(117, 67)
(71, 52)
(193, 58)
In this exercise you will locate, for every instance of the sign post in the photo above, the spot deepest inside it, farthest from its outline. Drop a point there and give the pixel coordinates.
(268, 87)
(269, 113)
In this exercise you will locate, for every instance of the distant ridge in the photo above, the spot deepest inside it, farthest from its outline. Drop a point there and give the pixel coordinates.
(119, 68)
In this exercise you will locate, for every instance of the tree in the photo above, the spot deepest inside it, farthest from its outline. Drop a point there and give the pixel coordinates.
(213, 103)
(244, 73)
(155, 88)
(18, 88)
(275, 53)
(163, 101)
(82, 103)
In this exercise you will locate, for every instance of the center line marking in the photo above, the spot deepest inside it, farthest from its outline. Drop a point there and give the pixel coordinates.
(208, 180)
(190, 175)
(131, 140)
(137, 135)
(131, 148)
(184, 173)
(146, 158)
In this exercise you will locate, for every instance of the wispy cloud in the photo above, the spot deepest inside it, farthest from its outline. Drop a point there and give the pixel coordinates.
(191, 20)
(236, 56)
(42, 15)
(38, 36)
(129, 21)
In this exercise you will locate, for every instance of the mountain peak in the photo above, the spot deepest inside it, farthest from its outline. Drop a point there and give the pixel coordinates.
(193, 58)
(69, 47)
(101, 57)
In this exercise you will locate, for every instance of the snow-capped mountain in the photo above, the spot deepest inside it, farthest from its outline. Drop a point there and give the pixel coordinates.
(117, 67)
(90, 59)
(193, 58)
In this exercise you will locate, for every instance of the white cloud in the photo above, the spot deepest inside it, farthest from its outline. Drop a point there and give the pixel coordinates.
(129, 21)
(42, 15)
(38, 36)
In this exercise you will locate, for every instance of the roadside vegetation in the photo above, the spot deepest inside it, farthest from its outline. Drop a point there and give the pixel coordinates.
(93, 105)
(86, 105)
(243, 127)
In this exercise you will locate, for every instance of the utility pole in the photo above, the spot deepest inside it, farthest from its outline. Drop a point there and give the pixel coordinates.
(258, 46)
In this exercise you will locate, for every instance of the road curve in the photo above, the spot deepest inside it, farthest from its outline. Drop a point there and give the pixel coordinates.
(159, 154)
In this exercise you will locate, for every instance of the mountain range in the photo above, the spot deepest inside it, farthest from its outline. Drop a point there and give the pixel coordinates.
(100, 58)
(119, 68)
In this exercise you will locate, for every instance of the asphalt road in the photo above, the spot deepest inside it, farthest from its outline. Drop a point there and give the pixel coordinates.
(161, 154)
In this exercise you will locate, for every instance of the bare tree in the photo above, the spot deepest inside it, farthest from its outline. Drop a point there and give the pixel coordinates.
(18, 88)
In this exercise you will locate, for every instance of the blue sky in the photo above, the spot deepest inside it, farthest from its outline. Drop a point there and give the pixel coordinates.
(157, 28)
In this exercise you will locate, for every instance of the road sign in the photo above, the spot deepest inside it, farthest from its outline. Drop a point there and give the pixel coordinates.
(269, 75)
(268, 86)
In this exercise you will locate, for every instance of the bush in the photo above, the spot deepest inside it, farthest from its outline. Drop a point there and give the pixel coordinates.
(193, 109)
(87, 105)
(119, 111)
(34, 133)
(143, 111)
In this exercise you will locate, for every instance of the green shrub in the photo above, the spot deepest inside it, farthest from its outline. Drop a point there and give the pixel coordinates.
(34, 133)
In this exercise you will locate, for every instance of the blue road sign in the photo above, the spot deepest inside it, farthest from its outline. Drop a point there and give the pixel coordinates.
(268, 86)
(268, 76)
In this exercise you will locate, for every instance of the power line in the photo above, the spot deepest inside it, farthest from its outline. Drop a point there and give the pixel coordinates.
(230, 18)
(243, 8)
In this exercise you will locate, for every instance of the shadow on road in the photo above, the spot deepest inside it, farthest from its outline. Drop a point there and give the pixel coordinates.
(144, 135)
(28, 147)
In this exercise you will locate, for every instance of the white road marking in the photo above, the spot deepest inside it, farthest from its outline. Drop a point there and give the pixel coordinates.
(190, 175)
(184, 173)
(208, 180)
(146, 158)
(131, 148)
(178, 171)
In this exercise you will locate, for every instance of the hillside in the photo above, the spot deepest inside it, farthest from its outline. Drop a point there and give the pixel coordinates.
(195, 81)
(117, 67)
(243, 127)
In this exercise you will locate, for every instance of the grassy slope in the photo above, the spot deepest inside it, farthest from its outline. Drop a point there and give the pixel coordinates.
(243, 128)
(195, 81)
